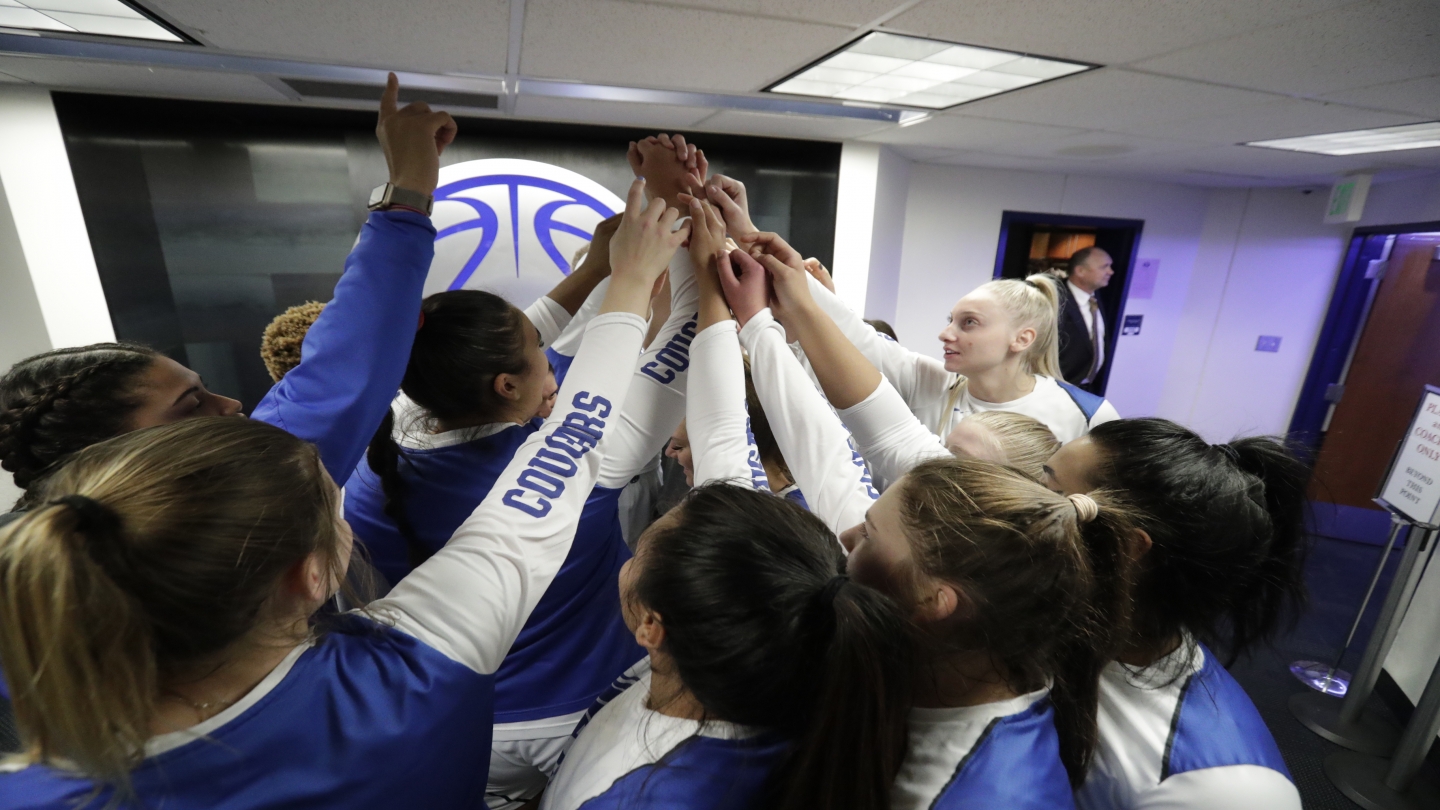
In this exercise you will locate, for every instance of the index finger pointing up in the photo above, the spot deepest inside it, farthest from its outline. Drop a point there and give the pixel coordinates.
(635, 200)
(389, 100)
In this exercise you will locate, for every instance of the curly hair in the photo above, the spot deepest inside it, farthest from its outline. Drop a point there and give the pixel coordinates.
(55, 404)
(280, 346)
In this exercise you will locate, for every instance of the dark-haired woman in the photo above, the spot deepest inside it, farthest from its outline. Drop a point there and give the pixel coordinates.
(1223, 549)
(1018, 591)
(773, 681)
(476, 378)
(185, 565)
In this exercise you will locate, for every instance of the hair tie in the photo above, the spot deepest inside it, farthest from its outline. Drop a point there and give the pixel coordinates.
(421, 323)
(826, 595)
(1086, 509)
(100, 527)
(1229, 452)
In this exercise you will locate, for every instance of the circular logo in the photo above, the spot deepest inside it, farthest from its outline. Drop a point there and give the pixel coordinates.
(511, 226)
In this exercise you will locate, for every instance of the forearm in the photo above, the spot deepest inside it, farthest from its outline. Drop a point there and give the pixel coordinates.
(572, 290)
(889, 436)
(843, 371)
(715, 415)
(815, 444)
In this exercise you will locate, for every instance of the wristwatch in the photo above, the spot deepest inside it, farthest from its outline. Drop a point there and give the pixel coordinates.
(390, 194)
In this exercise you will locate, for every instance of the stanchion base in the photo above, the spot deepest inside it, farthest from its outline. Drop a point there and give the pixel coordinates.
(1369, 734)
(1361, 778)
(1322, 677)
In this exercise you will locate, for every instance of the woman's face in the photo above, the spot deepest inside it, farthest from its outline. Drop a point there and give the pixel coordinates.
(1074, 467)
(630, 606)
(979, 334)
(880, 555)
(552, 388)
(169, 392)
(679, 449)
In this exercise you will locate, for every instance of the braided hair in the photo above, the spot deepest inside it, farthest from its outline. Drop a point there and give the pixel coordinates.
(55, 404)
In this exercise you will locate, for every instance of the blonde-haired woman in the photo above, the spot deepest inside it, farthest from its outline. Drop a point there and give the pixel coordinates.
(1001, 354)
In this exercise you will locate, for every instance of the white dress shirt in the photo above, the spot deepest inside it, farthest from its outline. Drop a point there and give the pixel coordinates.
(1082, 300)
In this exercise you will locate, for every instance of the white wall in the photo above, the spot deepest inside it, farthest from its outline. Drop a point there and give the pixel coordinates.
(50, 294)
(869, 227)
(952, 230)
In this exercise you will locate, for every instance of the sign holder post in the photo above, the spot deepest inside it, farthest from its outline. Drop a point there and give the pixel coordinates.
(1411, 492)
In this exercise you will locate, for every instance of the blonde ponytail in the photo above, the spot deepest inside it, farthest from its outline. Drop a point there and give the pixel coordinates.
(77, 649)
(1034, 302)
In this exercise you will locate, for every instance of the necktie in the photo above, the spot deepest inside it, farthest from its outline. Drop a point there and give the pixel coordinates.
(1095, 347)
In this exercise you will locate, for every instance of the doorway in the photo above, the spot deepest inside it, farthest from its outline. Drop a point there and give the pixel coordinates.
(1375, 356)
(1043, 243)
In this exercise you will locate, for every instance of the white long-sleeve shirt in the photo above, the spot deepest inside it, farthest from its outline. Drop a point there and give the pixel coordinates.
(816, 445)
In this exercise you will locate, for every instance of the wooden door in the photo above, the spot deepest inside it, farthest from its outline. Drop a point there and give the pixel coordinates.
(1398, 354)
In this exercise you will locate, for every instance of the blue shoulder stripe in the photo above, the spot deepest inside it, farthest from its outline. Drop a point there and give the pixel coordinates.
(1087, 402)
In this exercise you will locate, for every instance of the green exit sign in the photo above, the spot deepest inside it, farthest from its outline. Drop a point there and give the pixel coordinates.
(1347, 199)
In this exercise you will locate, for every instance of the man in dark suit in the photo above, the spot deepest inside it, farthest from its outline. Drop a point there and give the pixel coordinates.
(1083, 325)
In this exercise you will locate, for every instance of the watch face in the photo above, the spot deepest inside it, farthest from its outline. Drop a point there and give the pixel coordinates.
(377, 195)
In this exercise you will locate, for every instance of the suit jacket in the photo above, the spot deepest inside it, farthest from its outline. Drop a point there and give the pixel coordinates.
(1076, 353)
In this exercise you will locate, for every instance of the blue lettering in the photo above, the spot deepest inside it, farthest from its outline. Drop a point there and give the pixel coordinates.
(674, 358)
(541, 483)
(512, 498)
(589, 403)
(585, 424)
(572, 440)
(662, 377)
(553, 462)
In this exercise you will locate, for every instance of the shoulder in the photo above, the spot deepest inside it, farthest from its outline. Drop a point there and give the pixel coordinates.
(701, 773)
(1218, 725)
(1090, 405)
(1024, 742)
(1235, 787)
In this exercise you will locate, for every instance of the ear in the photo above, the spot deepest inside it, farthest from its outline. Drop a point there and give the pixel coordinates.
(940, 604)
(649, 631)
(506, 387)
(1140, 544)
(310, 578)
(1023, 339)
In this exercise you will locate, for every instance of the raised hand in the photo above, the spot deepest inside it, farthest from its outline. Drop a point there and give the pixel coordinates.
(640, 250)
(669, 165)
(746, 285)
(791, 289)
(820, 272)
(728, 195)
(597, 260)
(764, 243)
(707, 235)
(412, 137)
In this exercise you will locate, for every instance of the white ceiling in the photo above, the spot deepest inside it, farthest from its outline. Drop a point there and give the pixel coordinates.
(1183, 82)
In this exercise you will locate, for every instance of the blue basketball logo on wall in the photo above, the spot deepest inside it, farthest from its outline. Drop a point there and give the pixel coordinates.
(511, 226)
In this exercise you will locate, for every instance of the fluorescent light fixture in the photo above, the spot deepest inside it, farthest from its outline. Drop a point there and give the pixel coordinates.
(919, 72)
(1361, 141)
(106, 18)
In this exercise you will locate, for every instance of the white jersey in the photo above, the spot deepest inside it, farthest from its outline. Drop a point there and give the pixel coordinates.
(889, 436)
(970, 756)
(830, 473)
(630, 756)
(937, 397)
(1183, 735)
(716, 417)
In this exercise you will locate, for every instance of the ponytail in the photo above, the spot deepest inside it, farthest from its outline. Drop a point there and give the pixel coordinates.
(384, 457)
(77, 648)
(854, 743)
(154, 552)
(1048, 579)
(765, 631)
(1226, 523)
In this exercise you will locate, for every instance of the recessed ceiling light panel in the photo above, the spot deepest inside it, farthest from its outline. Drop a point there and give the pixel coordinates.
(919, 72)
(106, 18)
(1361, 141)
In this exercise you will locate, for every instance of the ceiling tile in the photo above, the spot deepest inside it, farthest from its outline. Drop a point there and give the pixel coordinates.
(790, 126)
(1359, 45)
(435, 36)
(609, 112)
(850, 13)
(1106, 32)
(138, 80)
(1114, 99)
(1417, 96)
(1278, 118)
(601, 41)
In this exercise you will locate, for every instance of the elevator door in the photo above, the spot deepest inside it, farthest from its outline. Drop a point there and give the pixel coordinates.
(1395, 358)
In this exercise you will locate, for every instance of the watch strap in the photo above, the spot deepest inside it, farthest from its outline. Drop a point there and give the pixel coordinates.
(393, 195)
